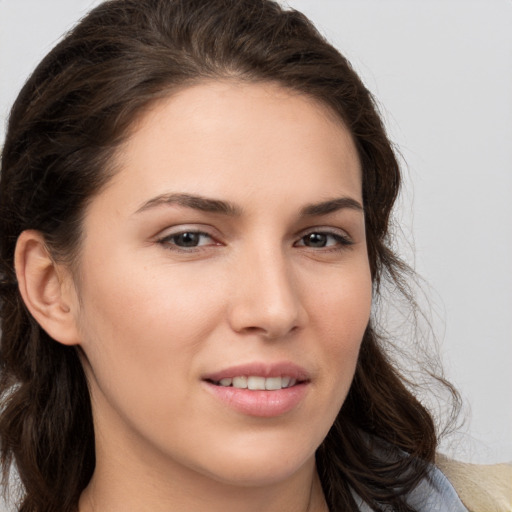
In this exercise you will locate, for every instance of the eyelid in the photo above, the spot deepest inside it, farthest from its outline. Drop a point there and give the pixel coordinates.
(186, 228)
(326, 230)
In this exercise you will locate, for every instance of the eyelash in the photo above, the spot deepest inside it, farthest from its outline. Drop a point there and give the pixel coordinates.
(341, 241)
(169, 241)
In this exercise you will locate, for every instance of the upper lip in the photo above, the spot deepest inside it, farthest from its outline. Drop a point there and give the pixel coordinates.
(260, 369)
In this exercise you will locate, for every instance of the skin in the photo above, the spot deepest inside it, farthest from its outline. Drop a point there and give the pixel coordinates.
(153, 318)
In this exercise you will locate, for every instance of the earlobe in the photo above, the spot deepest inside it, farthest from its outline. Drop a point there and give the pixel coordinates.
(46, 288)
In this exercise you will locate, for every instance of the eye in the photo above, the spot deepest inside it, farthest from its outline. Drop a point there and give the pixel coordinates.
(323, 239)
(187, 240)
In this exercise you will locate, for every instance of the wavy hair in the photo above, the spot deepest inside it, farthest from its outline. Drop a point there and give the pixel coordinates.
(63, 130)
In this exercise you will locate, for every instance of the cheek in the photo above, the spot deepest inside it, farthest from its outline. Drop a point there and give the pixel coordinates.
(140, 339)
(343, 305)
(145, 323)
(342, 316)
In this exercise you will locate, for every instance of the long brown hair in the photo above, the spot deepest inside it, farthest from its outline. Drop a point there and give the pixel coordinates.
(64, 128)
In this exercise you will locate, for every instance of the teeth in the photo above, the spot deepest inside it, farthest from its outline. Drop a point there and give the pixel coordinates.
(240, 382)
(273, 383)
(256, 383)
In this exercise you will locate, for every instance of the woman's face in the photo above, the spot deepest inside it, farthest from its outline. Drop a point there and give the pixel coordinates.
(228, 251)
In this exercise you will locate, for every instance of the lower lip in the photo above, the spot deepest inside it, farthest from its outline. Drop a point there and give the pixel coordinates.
(264, 404)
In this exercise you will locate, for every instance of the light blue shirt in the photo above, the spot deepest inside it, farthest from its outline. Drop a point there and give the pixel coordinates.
(431, 495)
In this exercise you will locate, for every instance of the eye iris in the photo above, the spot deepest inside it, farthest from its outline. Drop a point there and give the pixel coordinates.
(316, 240)
(187, 239)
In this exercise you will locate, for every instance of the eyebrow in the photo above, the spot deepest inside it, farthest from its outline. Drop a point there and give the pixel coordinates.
(331, 206)
(226, 208)
(192, 201)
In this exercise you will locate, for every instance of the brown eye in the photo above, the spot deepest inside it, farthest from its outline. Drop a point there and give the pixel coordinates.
(187, 240)
(316, 240)
(324, 239)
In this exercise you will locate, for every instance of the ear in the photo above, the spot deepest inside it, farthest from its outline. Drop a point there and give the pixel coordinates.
(46, 288)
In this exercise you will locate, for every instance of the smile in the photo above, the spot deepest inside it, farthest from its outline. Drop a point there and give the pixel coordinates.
(259, 389)
(256, 383)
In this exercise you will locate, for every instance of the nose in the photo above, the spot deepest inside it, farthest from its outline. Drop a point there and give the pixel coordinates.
(265, 297)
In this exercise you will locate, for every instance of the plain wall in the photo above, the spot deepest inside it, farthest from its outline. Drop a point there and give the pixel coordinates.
(442, 73)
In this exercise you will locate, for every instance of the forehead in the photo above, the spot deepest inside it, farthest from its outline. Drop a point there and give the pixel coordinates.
(228, 138)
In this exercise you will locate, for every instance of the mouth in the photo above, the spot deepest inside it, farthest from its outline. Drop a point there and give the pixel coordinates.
(259, 376)
(259, 389)
(256, 382)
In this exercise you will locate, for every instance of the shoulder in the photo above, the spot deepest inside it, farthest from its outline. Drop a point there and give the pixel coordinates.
(435, 493)
(482, 488)
(453, 486)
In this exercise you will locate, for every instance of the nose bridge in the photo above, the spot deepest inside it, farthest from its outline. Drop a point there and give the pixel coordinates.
(267, 298)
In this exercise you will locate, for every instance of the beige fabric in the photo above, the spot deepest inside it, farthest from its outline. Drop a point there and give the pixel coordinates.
(482, 488)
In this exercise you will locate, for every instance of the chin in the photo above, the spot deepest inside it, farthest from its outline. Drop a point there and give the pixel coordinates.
(259, 475)
(260, 465)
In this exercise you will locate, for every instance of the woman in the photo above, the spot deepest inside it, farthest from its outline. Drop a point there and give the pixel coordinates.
(196, 198)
